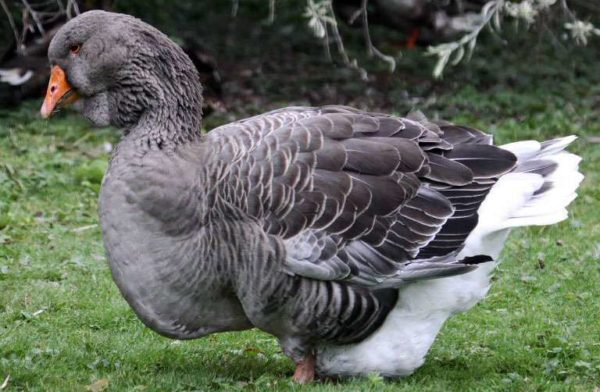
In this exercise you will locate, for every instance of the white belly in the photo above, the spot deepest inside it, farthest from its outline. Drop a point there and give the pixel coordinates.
(401, 344)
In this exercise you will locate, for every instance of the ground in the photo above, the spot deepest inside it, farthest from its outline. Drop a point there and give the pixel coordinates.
(64, 325)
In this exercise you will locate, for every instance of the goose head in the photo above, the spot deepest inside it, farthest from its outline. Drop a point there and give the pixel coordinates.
(118, 70)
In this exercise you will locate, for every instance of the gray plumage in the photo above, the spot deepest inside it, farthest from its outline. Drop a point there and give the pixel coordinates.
(302, 222)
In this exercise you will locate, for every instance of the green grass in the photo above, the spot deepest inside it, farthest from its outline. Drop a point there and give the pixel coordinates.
(64, 325)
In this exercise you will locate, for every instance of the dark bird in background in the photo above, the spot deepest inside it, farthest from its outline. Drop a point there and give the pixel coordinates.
(419, 22)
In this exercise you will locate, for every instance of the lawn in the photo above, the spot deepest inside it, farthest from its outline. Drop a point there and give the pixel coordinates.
(64, 325)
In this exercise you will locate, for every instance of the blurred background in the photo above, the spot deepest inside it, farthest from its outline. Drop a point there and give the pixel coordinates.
(440, 56)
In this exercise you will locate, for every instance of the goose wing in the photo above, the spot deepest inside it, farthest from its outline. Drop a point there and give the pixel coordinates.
(370, 198)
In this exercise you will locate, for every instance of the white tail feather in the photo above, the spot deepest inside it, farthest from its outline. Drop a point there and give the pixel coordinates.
(524, 150)
(547, 207)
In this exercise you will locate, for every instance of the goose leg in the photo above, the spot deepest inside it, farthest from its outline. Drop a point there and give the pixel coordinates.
(302, 353)
(305, 369)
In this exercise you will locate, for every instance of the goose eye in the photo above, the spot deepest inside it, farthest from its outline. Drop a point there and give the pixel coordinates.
(75, 48)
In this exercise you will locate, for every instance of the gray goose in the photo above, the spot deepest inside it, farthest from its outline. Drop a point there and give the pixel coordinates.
(350, 236)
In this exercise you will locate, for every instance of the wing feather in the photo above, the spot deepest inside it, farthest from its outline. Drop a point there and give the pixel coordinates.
(362, 196)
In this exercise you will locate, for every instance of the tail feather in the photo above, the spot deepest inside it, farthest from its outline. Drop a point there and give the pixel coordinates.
(528, 149)
(536, 192)
(551, 147)
(434, 268)
(555, 186)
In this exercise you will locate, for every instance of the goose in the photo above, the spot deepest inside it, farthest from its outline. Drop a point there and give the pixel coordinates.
(348, 235)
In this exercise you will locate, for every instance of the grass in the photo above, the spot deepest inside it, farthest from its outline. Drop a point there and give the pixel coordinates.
(64, 325)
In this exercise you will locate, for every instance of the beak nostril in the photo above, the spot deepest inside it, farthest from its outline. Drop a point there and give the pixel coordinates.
(59, 93)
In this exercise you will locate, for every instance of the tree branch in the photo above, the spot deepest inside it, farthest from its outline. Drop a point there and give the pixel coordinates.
(11, 21)
(371, 49)
(34, 16)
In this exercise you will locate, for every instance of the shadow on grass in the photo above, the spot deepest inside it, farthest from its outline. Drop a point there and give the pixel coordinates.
(247, 366)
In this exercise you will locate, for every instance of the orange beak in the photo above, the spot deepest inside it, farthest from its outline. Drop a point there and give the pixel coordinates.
(59, 92)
